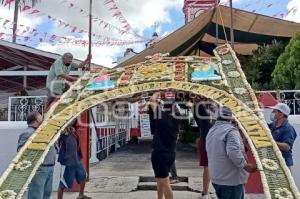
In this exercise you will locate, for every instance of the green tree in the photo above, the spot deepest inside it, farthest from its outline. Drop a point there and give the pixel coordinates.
(259, 67)
(287, 71)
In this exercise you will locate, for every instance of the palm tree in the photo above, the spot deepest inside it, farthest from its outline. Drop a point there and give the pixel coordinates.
(33, 2)
(16, 14)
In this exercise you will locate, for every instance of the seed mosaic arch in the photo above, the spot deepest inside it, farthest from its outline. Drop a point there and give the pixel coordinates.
(218, 78)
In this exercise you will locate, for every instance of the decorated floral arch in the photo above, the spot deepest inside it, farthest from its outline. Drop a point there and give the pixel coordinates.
(218, 78)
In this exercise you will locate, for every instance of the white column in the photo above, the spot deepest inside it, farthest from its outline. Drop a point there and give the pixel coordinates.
(94, 138)
(9, 109)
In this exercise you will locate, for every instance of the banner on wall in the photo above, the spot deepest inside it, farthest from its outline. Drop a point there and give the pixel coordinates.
(145, 125)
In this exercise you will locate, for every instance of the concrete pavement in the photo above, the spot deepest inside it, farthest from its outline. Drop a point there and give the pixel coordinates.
(118, 176)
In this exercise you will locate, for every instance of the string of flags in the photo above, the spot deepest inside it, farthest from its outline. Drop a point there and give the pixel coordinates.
(268, 5)
(22, 30)
(74, 29)
(98, 20)
(116, 13)
(28, 34)
(61, 40)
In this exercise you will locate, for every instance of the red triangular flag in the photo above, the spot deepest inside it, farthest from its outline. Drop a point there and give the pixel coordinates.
(74, 29)
(5, 22)
(34, 11)
(26, 7)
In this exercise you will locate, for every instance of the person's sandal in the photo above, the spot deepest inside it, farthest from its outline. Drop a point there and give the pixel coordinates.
(83, 197)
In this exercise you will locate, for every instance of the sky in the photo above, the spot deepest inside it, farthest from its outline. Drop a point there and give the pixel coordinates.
(143, 16)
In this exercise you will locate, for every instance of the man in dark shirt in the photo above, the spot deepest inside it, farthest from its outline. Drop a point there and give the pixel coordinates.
(41, 185)
(164, 144)
(70, 156)
(204, 122)
(283, 132)
(151, 118)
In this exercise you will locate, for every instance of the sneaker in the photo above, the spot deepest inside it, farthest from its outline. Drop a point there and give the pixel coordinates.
(83, 197)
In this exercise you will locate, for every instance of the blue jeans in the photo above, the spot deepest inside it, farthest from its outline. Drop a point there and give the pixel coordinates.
(229, 192)
(41, 184)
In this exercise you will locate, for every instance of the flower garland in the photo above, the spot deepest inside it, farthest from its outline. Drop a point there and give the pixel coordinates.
(23, 165)
(7, 194)
(218, 83)
(252, 94)
(78, 87)
(189, 59)
(226, 62)
(66, 101)
(263, 123)
(240, 91)
(86, 94)
(179, 71)
(223, 51)
(120, 70)
(270, 164)
(283, 193)
(234, 74)
(87, 77)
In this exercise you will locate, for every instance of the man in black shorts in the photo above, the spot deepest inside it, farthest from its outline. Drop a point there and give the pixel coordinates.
(164, 143)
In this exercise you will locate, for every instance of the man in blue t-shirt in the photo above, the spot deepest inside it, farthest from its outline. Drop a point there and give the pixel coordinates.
(283, 132)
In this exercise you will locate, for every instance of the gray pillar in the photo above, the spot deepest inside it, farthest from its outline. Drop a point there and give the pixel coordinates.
(25, 79)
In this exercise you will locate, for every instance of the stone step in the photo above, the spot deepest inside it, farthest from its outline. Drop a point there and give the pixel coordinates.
(181, 186)
(152, 179)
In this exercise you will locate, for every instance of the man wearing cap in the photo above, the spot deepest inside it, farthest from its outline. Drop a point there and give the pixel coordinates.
(58, 76)
(282, 131)
(227, 163)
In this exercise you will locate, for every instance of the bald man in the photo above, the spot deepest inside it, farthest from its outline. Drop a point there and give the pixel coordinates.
(58, 76)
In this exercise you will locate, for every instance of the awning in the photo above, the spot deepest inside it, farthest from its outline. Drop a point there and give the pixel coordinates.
(15, 58)
(199, 36)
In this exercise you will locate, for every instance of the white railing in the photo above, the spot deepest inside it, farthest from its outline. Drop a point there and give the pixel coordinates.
(19, 107)
(107, 137)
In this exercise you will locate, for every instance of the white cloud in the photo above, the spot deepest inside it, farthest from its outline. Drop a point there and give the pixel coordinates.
(227, 1)
(24, 20)
(101, 55)
(294, 11)
(140, 16)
